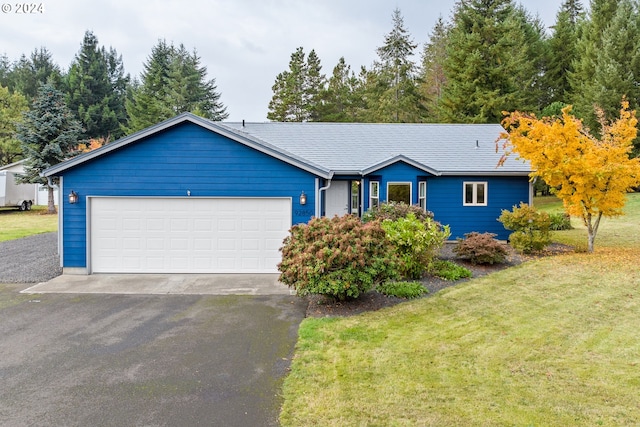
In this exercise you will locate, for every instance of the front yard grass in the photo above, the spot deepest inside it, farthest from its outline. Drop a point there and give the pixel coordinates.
(15, 224)
(553, 341)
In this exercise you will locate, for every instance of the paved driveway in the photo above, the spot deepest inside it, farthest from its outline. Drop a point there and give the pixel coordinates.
(143, 360)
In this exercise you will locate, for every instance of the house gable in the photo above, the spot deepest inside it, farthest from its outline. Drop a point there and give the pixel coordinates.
(185, 160)
(398, 171)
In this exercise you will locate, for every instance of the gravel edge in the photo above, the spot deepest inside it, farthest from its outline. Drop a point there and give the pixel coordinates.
(32, 259)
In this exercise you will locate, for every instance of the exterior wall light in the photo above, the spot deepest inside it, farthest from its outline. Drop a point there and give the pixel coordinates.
(303, 199)
(73, 197)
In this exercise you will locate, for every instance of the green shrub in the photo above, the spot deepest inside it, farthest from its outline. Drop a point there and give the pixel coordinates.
(560, 221)
(395, 211)
(481, 248)
(416, 243)
(448, 270)
(338, 257)
(402, 289)
(530, 228)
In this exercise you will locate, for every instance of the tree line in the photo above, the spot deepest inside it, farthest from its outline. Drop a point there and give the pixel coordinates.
(106, 101)
(492, 56)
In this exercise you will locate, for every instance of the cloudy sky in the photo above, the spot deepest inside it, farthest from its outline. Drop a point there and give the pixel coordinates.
(243, 43)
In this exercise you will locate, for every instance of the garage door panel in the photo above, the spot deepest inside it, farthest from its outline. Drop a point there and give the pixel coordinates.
(198, 235)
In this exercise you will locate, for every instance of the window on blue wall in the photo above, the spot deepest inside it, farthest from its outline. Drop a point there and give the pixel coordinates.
(399, 192)
(475, 194)
(422, 195)
(374, 194)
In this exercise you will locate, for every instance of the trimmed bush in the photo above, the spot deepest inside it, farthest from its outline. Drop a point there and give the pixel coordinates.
(338, 257)
(416, 242)
(481, 248)
(394, 211)
(530, 228)
(402, 289)
(448, 270)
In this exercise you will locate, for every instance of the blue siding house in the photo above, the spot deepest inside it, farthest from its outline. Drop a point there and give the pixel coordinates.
(191, 195)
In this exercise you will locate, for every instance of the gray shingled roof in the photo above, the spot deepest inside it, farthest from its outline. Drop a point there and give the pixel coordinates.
(357, 147)
(350, 148)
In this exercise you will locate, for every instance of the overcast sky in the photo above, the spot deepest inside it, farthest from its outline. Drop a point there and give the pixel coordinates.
(243, 43)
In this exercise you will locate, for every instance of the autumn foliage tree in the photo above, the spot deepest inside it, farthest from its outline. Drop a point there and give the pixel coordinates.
(590, 175)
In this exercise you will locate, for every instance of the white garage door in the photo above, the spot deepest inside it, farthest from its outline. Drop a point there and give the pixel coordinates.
(187, 235)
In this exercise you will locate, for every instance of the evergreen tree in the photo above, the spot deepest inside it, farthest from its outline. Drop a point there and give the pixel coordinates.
(147, 104)
(393, 95)
(48, 135)
(5, 70)
(432, 76)
(490, 65)
(296, 92)
(12, 106)
(590, 30)
(173, 82)
(314, 84)
(30, 72)
(96, 86)
(613, 59)
(562, 52)
(338, 99)
(617, 72)
(189, 88)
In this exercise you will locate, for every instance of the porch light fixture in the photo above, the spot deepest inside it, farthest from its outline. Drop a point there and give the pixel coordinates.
(303, 199)
(73, 197)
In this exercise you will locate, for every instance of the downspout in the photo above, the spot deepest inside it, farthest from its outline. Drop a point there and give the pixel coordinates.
(319, 200)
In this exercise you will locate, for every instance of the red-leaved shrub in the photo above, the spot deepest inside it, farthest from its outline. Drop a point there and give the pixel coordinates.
(339, 257)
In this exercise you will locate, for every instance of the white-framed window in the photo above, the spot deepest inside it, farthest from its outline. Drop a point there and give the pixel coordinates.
(399, 192)
(374, 194)
(474, 194)
(422, 194)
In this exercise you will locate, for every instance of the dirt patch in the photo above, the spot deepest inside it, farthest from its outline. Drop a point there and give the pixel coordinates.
(322, 306)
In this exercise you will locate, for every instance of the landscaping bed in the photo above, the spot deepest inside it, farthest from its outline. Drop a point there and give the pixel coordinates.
(323, 306)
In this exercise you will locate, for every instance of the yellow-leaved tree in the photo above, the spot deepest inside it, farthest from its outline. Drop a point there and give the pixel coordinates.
(590, 175)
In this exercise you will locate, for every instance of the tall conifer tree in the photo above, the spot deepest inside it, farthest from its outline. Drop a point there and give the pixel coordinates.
(297, 91)
(96, 86)
(173, 82)
(339, 100)
(489, 65)
(392, 92)
(432, 75)
(590, 31)
(48, 134)
(562, 52)
(28, 73)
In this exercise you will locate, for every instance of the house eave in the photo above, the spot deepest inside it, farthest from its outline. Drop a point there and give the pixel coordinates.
(485, 173)
(207, 124)
(395, 159)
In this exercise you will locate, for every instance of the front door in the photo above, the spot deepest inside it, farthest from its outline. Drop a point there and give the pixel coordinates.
(337, 199)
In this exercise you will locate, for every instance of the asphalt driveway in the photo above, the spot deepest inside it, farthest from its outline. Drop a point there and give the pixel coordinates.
(144, 360)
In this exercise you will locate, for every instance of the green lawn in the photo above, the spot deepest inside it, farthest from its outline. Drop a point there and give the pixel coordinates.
(554, 341)
(15, 224)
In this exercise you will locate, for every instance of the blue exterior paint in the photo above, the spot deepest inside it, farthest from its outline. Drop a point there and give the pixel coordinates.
(445, 197)
(185, 157)
(445, 200)
(397, 172)
(189, 157)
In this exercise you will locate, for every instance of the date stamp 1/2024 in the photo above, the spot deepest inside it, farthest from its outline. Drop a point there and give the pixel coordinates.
(22, 8)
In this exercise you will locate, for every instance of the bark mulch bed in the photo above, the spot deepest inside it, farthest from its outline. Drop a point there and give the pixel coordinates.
(321, 306)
